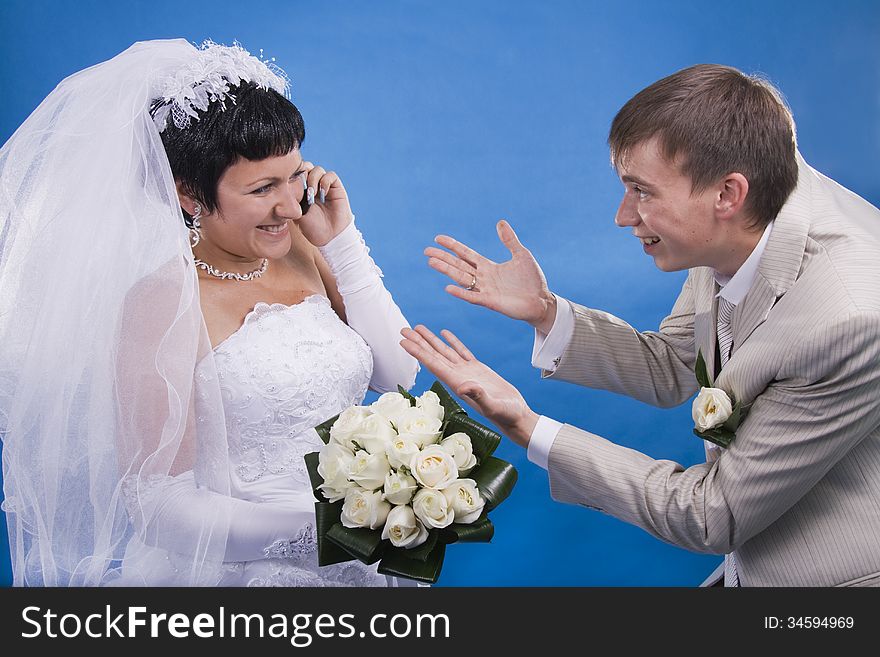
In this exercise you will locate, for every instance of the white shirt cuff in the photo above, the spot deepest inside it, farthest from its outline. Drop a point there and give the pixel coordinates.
(542, 440)
(549, 348)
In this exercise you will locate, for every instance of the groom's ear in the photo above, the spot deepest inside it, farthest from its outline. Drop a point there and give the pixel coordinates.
(731, 194)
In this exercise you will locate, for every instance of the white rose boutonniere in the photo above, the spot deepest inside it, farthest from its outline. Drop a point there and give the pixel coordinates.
(716, 414)
(711, 408)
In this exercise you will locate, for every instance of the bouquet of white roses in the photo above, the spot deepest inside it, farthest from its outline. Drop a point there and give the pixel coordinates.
(400, 479)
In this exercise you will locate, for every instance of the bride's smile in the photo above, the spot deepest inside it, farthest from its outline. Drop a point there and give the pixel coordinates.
(256, 200)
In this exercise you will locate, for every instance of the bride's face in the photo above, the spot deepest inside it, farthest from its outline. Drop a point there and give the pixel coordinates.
(256, 200)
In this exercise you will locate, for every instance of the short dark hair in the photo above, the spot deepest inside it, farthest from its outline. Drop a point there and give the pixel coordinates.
(257, 124)
(715, 120)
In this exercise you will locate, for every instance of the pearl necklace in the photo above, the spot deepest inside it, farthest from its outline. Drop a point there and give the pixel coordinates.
(223, 275)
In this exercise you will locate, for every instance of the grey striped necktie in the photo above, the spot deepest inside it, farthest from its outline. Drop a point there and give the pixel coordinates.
(725, 342)
(725, 329)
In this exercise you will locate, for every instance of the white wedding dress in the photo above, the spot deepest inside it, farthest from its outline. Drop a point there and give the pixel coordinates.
(286, 370)
(283, 372)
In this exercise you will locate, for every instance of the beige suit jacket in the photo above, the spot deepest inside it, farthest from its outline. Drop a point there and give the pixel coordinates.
(796, 497)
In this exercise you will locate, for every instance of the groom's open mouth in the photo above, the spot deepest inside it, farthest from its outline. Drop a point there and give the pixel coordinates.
(649, 242)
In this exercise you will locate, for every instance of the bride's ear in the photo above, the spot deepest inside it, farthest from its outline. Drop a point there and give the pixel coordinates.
(187, 202)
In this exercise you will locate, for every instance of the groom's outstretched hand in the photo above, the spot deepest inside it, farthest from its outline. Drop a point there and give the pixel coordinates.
(476, 383)
(516, 288)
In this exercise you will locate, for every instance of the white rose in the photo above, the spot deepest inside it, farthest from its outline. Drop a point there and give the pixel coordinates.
(391, 405)
(347, 423)
(711, 408)
(419, 426)
(462, 450)
(401, 450)
(374, 434)
(434, 467)
(334, 462)
(364, 508)
(369, 470)
(403, 529)
(429, 402)
(399, 488)
(465, 501)
(432, 508)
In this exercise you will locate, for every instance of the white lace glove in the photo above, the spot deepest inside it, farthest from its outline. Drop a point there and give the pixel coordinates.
(182, 517)
(370, 310)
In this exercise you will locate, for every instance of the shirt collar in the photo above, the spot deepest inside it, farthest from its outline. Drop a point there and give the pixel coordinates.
(734, 288)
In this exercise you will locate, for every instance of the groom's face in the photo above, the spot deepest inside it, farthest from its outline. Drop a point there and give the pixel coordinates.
(675, 225)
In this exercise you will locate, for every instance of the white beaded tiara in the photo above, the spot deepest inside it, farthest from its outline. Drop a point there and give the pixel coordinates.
(208, 79)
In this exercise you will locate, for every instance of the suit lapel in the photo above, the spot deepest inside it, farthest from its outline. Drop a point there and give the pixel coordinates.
(777, 272)
(753, 310)
(781, 261)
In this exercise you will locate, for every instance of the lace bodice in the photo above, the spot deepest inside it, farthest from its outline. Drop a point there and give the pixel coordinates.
(284, 371)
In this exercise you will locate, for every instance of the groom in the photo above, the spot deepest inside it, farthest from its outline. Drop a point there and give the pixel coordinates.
(783, 301)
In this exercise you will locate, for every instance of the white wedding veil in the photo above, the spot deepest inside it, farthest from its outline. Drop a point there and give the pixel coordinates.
(107, 380)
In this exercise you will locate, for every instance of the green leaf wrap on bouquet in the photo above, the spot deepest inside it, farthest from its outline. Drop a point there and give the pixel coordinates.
(363, 544)
(398, 563)
(480, 531)
(326, 516)
(323, 429)
(403, 391)
(311, 460)
(495, 480)
(423, 551)
(447, 401)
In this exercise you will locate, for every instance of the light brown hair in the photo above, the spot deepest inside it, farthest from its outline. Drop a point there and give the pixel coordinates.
(713, 120)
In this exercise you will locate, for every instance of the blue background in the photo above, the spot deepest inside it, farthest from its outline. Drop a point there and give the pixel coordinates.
(444, 117)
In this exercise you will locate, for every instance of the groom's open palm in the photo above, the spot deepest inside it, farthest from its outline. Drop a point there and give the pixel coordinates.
(516, 288)
(475, 382)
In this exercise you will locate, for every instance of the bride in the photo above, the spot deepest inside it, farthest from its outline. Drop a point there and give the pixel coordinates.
(161, 371)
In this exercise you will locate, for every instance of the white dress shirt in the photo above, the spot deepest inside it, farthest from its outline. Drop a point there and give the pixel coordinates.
(548, 349)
